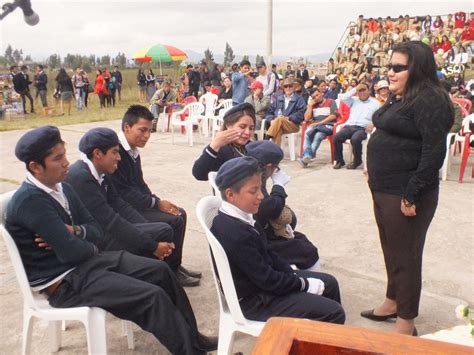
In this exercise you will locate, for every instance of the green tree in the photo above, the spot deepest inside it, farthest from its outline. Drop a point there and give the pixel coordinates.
(246, 57)
(229, 55)
(121, 60)
(258, 59)
(9, 55)
(17, 55)
(208, 57)
(105, 60)
(54, 61)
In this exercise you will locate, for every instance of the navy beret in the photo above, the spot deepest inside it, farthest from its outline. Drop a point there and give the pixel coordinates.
(265, 152)
(35, 143)
(237, 108)
(235, 170)
(97, 138)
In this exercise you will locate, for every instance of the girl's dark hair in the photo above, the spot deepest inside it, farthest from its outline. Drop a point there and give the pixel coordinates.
(62, 75)
(421, 74)
(234, 117)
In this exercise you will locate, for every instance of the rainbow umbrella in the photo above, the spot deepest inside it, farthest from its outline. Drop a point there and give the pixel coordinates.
(159, 53)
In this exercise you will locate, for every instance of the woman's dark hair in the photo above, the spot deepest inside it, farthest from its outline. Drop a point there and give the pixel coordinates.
(134, 113)
(98, 71)
(421, 74)
(62, 75)
(234, 117)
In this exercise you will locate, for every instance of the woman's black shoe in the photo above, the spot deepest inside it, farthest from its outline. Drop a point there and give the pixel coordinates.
(207, 343)
(370, 315)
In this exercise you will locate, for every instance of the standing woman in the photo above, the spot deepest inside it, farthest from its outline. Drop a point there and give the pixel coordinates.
(100, 88)
(236, 131)
(150, 85)
(65, 87)
(404, 156)
(141, 82)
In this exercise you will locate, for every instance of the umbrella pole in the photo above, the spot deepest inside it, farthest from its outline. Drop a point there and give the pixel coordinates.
(161, 73)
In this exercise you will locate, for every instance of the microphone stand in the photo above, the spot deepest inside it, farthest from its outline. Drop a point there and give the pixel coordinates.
(8, 8)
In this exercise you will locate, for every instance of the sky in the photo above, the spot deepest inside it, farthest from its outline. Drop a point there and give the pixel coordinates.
(300, 27)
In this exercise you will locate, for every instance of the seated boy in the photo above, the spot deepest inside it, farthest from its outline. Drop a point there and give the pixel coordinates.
(57, 237)
(266, 285)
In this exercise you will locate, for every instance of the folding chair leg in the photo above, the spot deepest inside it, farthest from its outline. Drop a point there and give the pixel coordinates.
(28, 321)
(127, 330)
(464, 158)
(54, 328)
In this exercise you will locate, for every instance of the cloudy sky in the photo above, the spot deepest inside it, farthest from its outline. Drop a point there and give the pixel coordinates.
(101, 27)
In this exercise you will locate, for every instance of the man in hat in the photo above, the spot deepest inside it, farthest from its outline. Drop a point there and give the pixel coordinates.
(124, 227)
(320, 116)
(357, 126)
(266, 285)
(160, 100)
(267, 78)
(286, 113)
(128, 180)
(259, 101)
(57, 240)
(240, 82)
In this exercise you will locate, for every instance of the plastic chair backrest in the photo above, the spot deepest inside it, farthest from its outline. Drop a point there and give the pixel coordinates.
(188, 100)
(466, 123)
(206, 211)
(194, 108)
(226, 104)
(212, 181)
(15, 254)
(464, 103)
(209, 100)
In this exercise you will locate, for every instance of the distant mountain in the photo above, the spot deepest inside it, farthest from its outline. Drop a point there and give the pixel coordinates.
(196, 57)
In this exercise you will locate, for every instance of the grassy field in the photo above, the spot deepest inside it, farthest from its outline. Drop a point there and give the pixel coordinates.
(92, 114)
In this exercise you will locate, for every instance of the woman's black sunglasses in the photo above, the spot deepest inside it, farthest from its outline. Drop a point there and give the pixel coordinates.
(397, 68)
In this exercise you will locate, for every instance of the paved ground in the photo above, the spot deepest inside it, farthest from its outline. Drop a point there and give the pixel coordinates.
(334, 209)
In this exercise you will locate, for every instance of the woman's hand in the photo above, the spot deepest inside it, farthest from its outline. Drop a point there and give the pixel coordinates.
(407, 209)
(223, 138)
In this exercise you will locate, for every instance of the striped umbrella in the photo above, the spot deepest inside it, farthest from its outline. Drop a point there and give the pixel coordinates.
(159, 53)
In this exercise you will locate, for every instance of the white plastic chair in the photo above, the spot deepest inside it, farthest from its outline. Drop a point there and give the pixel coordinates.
(218, 120)
(458, 138)
(209, 100)
(194, 110)
(211, 177)
(36, 305)
(231, 319)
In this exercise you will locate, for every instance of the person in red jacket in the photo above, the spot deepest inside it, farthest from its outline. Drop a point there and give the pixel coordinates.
(467, 36)
(446, 44)
(459, 19)
(100, 88)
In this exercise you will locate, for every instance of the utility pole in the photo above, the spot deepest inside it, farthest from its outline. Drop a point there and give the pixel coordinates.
(269, 33)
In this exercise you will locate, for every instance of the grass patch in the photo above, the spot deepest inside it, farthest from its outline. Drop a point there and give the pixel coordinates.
(10, 181)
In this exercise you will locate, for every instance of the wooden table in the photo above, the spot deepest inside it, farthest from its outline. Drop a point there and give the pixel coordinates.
(291, 336)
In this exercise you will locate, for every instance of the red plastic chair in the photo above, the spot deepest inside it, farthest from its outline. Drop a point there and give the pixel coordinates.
(468, 150)
(186, 100)
(465, 104)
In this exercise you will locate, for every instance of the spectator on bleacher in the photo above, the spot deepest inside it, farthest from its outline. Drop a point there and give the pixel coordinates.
(449, 21)
(353, 83)
(402, 24)
(372, 25)
(449, 56)
(298, 86)
(259, 102)
(366, 37)
(415, 35)
(286, 113)
(288, 72)
(404, 157)
(331, 67)
(226, 92)
(457, 82)
(459, 20)
(320, 116)
(360, 24)
(338, 57)
(150, 84)
(446, 44)
(426, 25)
(241, 82)
(322, 87)
(462, 57)
(357, 126)
(382, 91)
(388, 23)
(467, 36)
(302, 73)
(333, 90)
(437, 26)
(267, 78)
